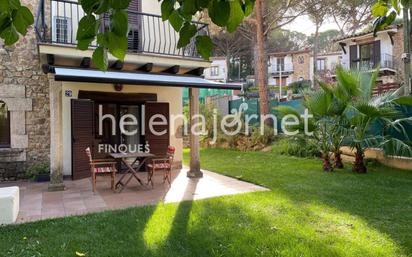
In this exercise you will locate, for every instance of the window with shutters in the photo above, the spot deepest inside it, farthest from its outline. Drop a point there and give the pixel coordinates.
(4, 126)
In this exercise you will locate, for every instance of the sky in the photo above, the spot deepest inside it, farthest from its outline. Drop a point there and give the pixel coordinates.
(304, 25)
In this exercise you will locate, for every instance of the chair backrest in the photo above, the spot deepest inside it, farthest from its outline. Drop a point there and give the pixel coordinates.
(171, 153)
(89, 154)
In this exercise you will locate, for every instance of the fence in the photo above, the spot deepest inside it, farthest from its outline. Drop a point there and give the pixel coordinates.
(375, 129)
(253, 108)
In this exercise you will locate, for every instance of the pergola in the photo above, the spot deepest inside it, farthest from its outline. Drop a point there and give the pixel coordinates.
(193, 81)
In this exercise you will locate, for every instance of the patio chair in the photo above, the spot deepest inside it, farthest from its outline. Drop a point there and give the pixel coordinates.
(163, 164)
(103, 167)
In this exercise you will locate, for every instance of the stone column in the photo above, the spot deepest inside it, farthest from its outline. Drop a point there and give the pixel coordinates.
(194, 171)
(56, 149)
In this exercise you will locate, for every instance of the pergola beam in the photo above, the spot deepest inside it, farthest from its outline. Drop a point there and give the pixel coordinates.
(172, 70)
(148, 67)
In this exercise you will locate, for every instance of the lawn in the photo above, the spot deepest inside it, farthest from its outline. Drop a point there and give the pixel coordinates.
(306, 213)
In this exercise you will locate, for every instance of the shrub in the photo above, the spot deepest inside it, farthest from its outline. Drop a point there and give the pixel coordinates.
(38, 168)
(296, 146)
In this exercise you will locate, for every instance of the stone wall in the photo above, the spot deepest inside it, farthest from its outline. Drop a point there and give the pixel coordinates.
(397, 53)
(301, 66)
(23, 83)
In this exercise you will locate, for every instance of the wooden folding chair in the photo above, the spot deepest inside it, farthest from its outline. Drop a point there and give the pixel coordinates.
(162, 164)
(103, 167)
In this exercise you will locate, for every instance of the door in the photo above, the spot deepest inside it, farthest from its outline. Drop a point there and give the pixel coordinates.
(82, 136)
(158, 143)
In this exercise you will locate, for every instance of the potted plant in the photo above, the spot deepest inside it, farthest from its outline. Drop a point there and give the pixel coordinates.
(39, 172)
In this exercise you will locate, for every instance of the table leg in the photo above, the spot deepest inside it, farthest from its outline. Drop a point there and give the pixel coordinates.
(133, 174)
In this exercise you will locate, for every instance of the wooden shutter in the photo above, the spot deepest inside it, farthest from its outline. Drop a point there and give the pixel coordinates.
(4, 126)
(353, 53)
(135, 21)
(158, 144)
(376, 53)
(82, 136)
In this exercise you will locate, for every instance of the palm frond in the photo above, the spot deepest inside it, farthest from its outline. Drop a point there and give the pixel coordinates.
(404, 100)
(286, 110)
(319, 103)
(348, 82)
(367, 109)
(367, 83)
(394, 146)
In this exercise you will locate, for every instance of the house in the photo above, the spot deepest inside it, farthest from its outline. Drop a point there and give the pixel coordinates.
(217, 70)
(53, 100)
(326, 64)
(287, 67)
(366, 52)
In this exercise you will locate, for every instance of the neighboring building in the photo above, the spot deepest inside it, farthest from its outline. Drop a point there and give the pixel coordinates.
(326, 65)
(50, 93)
(217, 70)
(366, 52)
(287, 67)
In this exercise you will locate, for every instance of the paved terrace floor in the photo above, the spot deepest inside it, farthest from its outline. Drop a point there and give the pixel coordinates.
(36, 203)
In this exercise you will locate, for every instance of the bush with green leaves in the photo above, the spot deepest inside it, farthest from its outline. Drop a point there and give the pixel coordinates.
(38, 168)
(298, 87)
(298, 146)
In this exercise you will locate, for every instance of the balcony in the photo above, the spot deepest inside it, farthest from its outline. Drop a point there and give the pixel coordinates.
(57, 22)
(276, 70)
(386, 62)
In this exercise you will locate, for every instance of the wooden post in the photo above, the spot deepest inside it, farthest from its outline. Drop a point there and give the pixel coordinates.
(407, 50)
(56, 148)
(194, 171)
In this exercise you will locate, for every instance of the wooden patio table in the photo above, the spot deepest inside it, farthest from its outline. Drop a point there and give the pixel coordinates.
(139, 157)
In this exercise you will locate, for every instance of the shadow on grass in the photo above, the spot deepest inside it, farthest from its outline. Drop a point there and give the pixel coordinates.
(380, 199)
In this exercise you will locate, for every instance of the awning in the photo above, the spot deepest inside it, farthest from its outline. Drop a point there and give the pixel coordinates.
(136, 78)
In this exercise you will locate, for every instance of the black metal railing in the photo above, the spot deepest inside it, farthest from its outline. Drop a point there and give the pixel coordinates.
(57, 22)
(385, 61)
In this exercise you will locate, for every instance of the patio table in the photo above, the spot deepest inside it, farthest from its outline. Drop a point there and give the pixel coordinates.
(139, 157)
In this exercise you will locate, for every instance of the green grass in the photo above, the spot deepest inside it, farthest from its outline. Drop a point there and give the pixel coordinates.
(306, 213)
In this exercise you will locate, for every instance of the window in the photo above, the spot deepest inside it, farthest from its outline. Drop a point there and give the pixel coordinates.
(366, 56)
(133, 40)
(280, 63)
(320, 64)
(214, 71)
(370, 55)
(62, 29)
(4, 126)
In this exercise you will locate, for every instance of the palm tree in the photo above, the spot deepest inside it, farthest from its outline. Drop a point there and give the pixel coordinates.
(364, 110)
(319, 104)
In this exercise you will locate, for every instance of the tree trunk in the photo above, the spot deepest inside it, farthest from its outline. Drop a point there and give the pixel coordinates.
(228, 57)
(327, 166)
(359, 164)
(260, 61)
(315, 53)
(338, 160)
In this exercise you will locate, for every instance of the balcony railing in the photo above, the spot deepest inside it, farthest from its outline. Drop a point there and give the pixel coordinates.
(273, 69)
(57, 22)
(386, 62)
